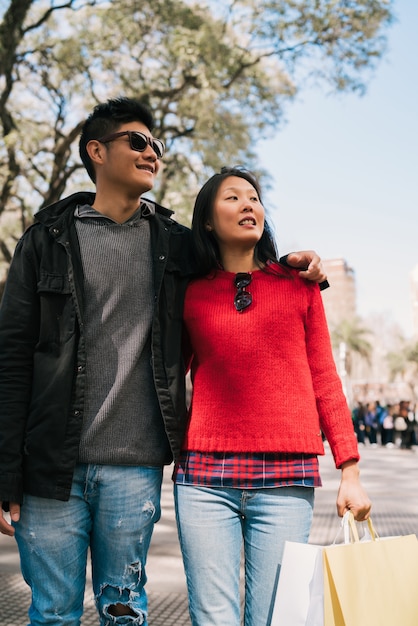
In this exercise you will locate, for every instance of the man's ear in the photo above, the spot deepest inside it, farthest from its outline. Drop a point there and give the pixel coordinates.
(95, 150)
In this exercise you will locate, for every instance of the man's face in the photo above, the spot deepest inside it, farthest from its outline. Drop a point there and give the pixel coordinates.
(122, 167)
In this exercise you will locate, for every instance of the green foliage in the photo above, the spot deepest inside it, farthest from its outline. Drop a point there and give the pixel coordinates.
(218, 76)
(396, 362)
(404, 364)
(412, 353)
(356, 339)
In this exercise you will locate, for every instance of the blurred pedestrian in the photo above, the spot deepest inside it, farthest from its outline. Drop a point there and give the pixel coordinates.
(358, 421)
(371, 421)
(408, 438)
(387, 428)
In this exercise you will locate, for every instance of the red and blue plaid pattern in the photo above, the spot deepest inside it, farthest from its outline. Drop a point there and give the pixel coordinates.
(247, 470)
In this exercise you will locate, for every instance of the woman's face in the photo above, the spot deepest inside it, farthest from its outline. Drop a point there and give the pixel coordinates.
(237, 219)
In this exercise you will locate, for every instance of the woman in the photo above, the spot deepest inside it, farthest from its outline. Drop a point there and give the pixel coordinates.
(264, 389)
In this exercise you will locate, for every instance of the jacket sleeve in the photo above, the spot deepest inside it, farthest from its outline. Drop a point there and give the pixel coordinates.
(283, 261)
(19, 323)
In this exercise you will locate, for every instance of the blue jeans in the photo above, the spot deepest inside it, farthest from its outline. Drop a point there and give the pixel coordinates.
(214, 524)
(111, 511)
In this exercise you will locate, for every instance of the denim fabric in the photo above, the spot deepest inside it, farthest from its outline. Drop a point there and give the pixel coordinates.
(214, 524)
(112, 510)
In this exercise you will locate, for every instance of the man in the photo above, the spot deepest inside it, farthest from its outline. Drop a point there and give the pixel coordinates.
(92, 392)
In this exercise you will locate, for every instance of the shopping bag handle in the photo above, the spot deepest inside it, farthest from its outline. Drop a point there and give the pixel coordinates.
(349, 525)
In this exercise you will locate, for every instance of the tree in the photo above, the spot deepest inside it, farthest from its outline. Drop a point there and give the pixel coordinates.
(348, 339)
(404, 364)
(19, 178)
(217, 74)
(353, 335)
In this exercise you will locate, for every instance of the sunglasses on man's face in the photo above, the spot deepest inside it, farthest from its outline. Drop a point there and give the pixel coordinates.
(243, 298)
(138, 141)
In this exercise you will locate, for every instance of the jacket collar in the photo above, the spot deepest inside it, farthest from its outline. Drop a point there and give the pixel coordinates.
(60, 210)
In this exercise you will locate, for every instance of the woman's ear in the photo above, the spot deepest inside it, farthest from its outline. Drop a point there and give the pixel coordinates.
(208, 226)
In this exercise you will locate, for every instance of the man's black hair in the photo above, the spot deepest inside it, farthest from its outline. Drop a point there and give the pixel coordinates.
(107, 118)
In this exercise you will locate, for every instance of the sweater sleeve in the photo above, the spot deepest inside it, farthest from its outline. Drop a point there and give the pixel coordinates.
(334, 414)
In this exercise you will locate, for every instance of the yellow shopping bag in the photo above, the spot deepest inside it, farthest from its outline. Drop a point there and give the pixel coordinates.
(371, 583)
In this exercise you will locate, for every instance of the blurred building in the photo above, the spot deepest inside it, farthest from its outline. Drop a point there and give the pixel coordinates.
(340, 299)
(414, 294)
(364, 379)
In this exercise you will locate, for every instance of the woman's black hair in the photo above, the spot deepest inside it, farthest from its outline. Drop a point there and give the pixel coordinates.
(206, 248)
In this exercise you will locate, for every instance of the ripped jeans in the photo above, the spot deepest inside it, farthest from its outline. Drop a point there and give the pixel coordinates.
(112, 510)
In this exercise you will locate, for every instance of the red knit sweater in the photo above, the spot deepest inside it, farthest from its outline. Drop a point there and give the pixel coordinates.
(264, 380)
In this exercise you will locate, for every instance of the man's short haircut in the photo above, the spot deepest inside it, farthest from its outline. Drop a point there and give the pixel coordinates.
(107, 118)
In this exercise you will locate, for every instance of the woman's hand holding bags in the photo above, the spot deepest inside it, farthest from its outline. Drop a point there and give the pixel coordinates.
(372, 582)
(367, 582)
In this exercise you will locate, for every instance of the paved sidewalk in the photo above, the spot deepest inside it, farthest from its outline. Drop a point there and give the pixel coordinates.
(389, 475)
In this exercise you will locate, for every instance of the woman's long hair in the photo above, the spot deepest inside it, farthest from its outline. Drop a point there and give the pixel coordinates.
(206, 248)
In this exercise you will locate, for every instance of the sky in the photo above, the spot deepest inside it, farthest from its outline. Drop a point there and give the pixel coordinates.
(345, 177)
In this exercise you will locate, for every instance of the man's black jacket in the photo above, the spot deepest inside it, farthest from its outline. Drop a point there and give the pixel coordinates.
(42, 349)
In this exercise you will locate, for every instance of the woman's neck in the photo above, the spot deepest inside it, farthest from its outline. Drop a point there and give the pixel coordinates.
(239, 262)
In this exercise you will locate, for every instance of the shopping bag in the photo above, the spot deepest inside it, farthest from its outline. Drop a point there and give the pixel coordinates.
(373, 582)
(300, 587)
(315, 614)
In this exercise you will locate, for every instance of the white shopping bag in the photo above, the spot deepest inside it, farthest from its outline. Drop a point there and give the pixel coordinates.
(300, 591)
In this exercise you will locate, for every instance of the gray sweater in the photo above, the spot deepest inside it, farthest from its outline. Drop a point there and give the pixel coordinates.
(120, 400)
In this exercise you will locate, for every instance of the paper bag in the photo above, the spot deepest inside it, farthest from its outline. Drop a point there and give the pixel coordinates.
(371, 583)
(301, 565)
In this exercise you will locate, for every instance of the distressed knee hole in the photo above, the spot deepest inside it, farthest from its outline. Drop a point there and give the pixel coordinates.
(116, 610)
(119, 602)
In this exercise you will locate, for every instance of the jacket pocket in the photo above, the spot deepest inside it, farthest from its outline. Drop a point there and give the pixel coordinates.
(57, 312)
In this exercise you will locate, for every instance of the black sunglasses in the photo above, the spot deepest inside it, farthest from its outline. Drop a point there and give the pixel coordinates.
(242, 298)
(138, 141)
